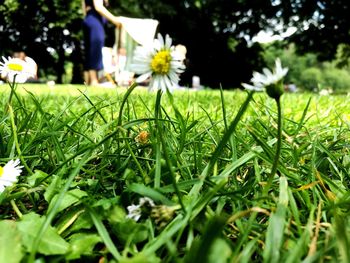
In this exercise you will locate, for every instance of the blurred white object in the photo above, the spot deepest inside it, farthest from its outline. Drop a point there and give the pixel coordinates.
(125, 78)
(108, 59)
(196, 82)
(51, 83)
(182, 50)
(326, 92)
(292, 88)
(141, 30)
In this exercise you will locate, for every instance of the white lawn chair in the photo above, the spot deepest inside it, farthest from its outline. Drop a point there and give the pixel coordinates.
(133, 32)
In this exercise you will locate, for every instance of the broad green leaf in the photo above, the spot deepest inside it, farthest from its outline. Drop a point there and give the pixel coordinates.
(50, 244)
(130, 231)
(117, 214)
(10, 242)
(36, 178)
(73, 219)
(70, 198)
(83, 222)
(82, 244)
(53, 188)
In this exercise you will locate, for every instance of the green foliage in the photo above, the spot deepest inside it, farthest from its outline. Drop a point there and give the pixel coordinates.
(82, 245)
(214, 37)
(337, 79)
(50, 243)
(306, 71)
(274, 234)
(343, 55)
(215, 32)
(327, 25)
(10, 242)
(43, 29)
(212, 247)
(311, 78)
(9, 6)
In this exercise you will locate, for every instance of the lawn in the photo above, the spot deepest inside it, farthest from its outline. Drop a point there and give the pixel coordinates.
(114, 176)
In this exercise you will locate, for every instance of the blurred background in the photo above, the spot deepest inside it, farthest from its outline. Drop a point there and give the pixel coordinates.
(225, 39)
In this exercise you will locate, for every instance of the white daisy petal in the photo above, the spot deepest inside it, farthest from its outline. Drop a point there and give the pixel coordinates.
(168, 41)
(278, 64)
(143, 77)
(168, 83)
(153, 85)
(251, 87)
(268, 74)
(9, 174)
(262, 80)
(163, 85)
(134, 212)
(160, 39)
(140, 68)
(160, 62)
(174, 77)
(15, 69)
(146, 201)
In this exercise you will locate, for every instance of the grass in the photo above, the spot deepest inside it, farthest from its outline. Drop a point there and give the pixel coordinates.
(202, 157)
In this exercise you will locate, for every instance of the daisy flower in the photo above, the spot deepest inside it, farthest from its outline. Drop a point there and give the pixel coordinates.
(9, 173)
(15, 69)
(268, 80)
(135, 211)
(160, 63)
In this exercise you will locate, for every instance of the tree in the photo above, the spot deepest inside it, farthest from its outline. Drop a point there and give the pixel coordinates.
(44, 29)
(322, 25)
(217, 33)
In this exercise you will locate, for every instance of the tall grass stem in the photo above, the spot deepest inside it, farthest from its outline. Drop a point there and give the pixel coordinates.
(278, 146)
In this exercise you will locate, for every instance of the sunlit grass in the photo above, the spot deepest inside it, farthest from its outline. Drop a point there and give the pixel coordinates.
(204, 163)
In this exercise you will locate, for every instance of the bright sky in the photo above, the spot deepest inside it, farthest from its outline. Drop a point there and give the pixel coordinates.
(266, 36)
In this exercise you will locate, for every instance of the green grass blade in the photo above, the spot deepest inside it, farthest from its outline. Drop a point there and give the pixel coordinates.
(103, 232)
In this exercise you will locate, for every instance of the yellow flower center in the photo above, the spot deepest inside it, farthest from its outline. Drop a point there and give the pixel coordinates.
(15, 67)
(160, 63)
(1, 171)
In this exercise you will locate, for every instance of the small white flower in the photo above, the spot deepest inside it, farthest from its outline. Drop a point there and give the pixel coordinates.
(9, 174)
(160, 63)
(146, 201)
(262, 81)
(135, 211)
(15, 69)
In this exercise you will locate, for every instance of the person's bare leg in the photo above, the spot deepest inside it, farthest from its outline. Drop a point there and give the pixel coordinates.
(93, 77)
(86, 77)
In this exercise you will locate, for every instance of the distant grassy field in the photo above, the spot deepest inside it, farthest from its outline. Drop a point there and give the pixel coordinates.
(90, 153)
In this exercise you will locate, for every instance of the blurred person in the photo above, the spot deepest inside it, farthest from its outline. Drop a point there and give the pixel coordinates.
(182, 50)
(96, 16)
